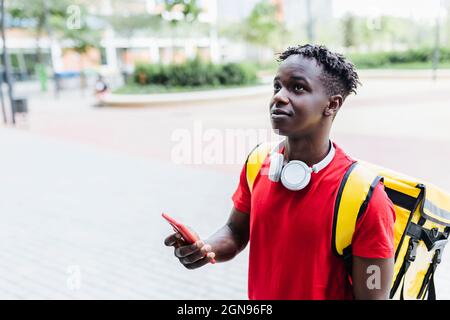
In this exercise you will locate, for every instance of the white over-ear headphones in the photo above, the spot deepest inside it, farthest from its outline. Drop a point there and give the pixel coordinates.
(294, 175)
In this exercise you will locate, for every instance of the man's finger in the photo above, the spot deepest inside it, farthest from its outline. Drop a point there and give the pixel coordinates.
(197, 255)
(211, 256)
(194, 257)
(184, 251)
(198, 263)
(172, 239)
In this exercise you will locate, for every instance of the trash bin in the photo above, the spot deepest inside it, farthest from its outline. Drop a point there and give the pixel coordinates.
(20, 105)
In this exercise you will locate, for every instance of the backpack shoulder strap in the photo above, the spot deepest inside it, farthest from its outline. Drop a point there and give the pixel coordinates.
(353, 196)
(255, 160)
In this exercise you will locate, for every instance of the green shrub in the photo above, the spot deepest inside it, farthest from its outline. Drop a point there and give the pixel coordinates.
(385, 59)
(233, 73)
(194, 73)
(444, 55)
(370, 60)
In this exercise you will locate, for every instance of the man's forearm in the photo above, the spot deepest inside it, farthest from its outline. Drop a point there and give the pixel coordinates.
(225, 244)
(372, 278)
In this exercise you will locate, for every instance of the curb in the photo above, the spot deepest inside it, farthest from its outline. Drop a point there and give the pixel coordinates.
(147, 100)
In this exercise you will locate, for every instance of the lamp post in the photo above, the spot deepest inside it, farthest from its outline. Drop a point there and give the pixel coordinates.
(309, 22)
(48, 29)
(2, 99)
(5, 121)
(6, 64)
(436, 42)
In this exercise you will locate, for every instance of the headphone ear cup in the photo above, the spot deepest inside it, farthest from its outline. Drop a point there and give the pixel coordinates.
(276, 165)
(295, 175)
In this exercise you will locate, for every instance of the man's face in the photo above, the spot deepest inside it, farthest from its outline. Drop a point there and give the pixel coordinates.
(299, 100)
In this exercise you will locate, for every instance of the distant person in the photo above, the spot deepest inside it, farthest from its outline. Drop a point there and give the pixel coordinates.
(289, 221)
(101, 88)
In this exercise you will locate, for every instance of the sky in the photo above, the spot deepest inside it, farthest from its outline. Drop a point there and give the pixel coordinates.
(416, 9)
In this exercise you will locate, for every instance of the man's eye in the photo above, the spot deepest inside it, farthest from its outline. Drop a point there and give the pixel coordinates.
(298, 88)
(276, 87)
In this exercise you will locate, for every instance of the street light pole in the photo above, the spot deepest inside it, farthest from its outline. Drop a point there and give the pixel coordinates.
(6, 64)
(309, 22)
(48, 29)
(436, 42)
(2, 100)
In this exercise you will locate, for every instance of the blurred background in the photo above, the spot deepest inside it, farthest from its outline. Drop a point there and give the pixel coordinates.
(98, 98)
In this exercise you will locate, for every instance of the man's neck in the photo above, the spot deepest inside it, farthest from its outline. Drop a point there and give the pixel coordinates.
(310, 150)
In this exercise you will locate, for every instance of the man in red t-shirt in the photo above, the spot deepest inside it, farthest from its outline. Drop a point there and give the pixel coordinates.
(289, 225)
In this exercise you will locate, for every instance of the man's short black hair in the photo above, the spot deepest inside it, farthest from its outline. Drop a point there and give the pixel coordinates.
(339, 77)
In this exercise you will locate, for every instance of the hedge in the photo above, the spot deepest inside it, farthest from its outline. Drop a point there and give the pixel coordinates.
(379, 59)
(194, 73)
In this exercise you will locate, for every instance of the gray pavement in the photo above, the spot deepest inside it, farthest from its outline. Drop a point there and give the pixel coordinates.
(68, 207)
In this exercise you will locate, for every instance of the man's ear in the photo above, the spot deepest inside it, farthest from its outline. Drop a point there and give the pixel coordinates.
(334, 104)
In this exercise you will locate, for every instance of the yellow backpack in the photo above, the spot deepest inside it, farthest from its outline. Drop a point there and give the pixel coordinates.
(422, 225)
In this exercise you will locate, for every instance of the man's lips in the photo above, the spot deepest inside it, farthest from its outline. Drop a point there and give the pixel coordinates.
(277, 112)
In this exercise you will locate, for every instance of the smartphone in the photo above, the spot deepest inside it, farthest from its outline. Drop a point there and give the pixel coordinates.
(188, 236)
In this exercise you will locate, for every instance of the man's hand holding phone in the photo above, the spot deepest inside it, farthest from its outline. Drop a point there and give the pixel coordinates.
(192, 252)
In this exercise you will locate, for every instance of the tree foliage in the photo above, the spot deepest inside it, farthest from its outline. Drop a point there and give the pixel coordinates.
(189, 9)
(261, 27)
(52, 16)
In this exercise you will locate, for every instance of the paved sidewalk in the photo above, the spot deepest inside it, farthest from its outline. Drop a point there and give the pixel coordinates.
(68, 208)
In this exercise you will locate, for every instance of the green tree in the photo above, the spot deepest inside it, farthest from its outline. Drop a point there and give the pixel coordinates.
(40, 14)
(81, 36)
(180, 14)
(189, 9)
(262, 27)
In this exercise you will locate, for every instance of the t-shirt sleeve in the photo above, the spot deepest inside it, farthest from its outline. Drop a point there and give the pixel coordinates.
(242, 196)
(374, 232)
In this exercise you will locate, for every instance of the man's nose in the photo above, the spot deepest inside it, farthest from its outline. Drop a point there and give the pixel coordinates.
(281, 97)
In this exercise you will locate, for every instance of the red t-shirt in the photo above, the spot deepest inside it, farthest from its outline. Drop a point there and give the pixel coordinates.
(290, 235)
